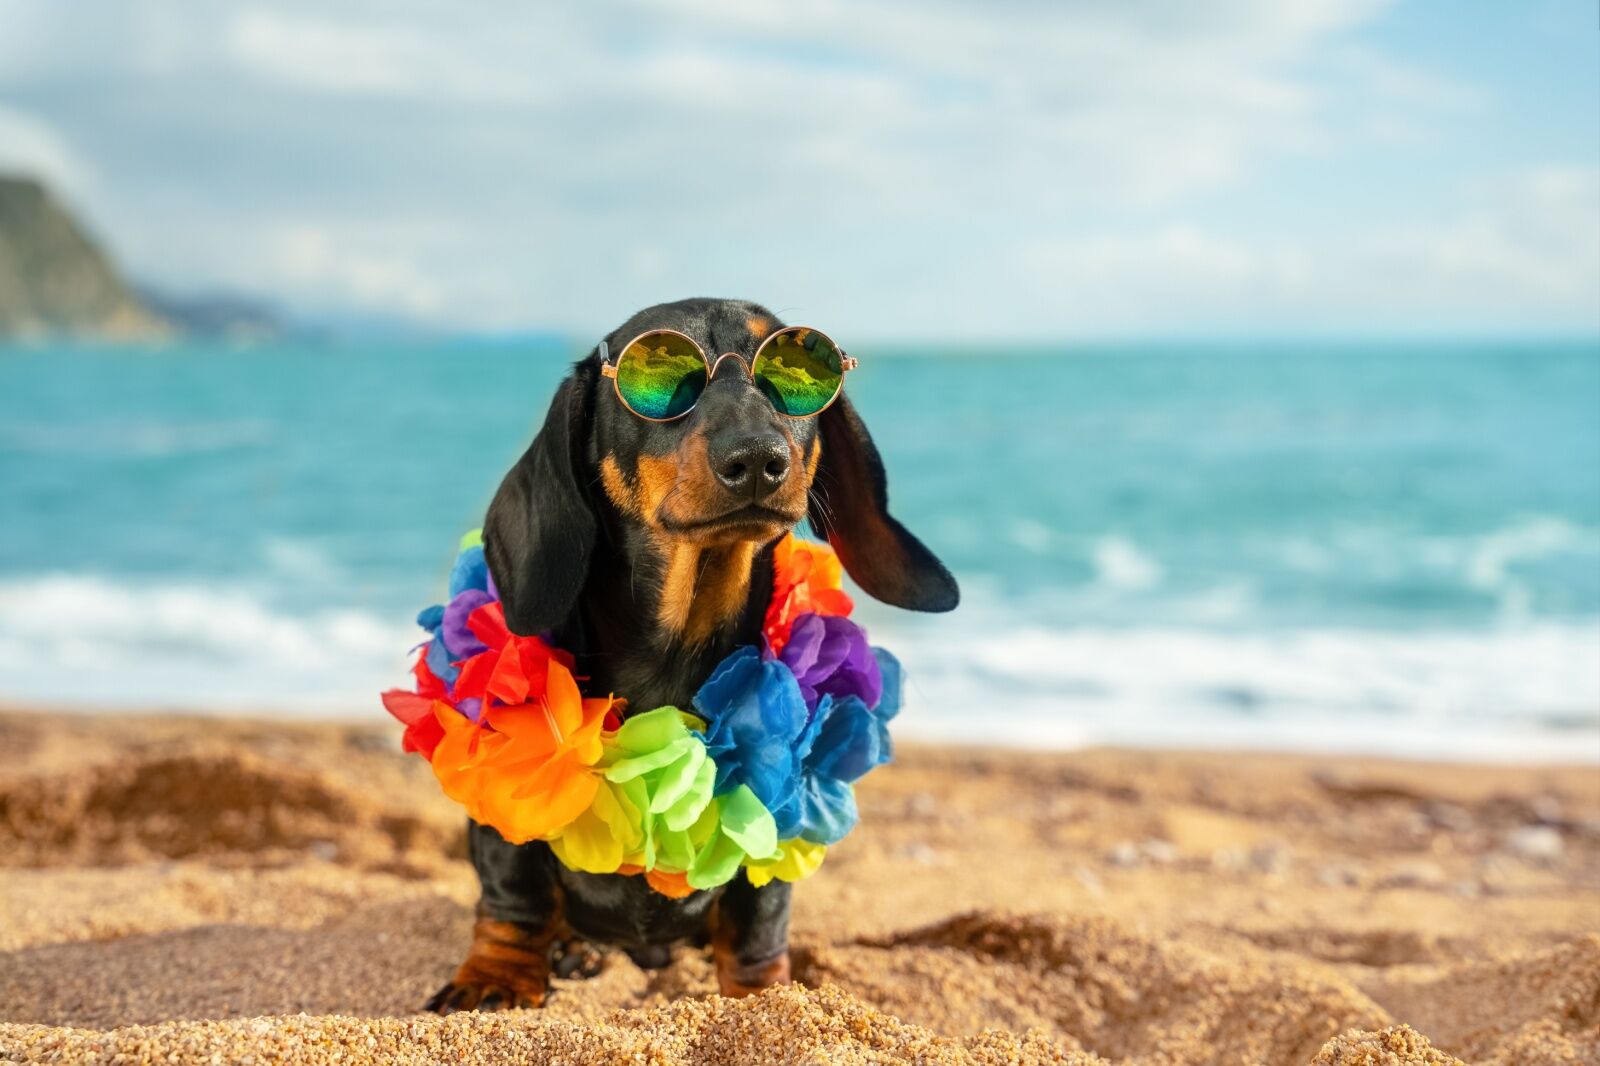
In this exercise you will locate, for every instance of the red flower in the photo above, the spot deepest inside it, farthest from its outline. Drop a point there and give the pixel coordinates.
(806, 579)
(423, 731)
(513, 668)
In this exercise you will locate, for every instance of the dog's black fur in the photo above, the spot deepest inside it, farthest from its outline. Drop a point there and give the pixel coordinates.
(646, 550)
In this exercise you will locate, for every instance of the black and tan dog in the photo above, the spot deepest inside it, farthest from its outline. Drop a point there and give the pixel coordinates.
(646, 548)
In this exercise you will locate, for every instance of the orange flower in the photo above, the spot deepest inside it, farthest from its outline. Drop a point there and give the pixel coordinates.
(530, 772)
(675, 885)
(806, 579)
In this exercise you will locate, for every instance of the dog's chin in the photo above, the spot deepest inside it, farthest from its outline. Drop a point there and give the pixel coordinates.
(753, 524)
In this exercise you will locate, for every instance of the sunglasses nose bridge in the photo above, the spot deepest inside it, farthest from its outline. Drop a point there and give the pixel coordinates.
(735, 356)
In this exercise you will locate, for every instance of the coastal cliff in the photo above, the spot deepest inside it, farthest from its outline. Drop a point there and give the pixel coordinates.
(54, 279)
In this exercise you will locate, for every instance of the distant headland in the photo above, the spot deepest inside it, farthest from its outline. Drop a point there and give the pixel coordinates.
(54, 278)
(56, 281)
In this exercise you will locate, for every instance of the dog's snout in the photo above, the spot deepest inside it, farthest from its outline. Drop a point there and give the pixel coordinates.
(750, 464)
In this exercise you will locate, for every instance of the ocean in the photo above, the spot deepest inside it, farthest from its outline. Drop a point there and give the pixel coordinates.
(1382, 546)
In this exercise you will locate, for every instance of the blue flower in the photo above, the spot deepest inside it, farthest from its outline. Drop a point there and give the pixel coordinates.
(851, 740)
(440, 661)
(451, 641)
(799, 765)
(888, 704)
(844, 739)
(822, 812)
(471, 571)
(437, 656)
(755, 715)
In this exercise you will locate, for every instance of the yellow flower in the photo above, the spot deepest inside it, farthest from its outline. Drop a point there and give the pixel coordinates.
(797, 859)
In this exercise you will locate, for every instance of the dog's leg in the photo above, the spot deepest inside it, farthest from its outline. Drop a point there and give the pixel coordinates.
(519, 919)
(750, 936)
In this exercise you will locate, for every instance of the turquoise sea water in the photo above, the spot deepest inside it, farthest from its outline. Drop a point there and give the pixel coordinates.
(1371, 546)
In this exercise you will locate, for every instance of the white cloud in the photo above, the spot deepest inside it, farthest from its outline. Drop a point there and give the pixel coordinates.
(311, 260)
(880, 162)
(316, 52)
(325, 268)
(1524, 249)
(31, 146)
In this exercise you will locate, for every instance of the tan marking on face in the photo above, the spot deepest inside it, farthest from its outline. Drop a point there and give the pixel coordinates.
(705, 580)
(816, 457)
(677, 587)
(704, 589)
(759, 326)
(680, 486)
(617, 489)
(657, 475)
(723, 587)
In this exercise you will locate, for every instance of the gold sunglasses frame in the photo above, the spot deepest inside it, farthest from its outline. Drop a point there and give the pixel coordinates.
(608, 368)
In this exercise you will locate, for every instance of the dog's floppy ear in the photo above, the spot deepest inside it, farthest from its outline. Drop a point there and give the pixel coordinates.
(541, 529)
(850, 507)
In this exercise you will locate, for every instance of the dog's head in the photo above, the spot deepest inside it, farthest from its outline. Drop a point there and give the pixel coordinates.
(727, 479)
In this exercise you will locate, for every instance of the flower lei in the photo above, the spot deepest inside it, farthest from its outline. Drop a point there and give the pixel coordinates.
(757, 775)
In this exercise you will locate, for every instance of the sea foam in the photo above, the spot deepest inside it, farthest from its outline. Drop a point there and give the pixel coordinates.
(1524, 691)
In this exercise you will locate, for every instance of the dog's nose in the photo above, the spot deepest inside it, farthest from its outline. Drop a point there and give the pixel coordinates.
(750, 464)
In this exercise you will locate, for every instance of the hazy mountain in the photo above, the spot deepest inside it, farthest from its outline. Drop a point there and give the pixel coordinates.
(55, 280)
(216, 315)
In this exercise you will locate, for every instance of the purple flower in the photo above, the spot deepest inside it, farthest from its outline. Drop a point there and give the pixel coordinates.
(471, 586)
(830, 656)
(459, 640)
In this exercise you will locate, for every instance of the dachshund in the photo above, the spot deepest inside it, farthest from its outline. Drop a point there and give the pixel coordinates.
(645, 548)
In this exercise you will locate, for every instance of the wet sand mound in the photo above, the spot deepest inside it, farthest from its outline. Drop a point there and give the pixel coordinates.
(1124, 995)
(1372, 947)
(377, 959)
(222, 804)
(1533, 1010)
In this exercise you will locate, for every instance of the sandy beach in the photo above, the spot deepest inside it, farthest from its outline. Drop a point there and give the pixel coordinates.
(188, 890)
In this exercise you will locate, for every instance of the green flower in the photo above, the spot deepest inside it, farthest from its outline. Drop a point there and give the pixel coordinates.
(654, 808)
(656, 785)
(735, 827)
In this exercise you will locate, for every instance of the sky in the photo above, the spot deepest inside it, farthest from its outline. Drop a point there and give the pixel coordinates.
(911, 169)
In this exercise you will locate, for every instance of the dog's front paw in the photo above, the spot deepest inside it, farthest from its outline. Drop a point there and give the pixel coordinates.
(576, 959)
(746, 979)
(508, 967)
(486, 994)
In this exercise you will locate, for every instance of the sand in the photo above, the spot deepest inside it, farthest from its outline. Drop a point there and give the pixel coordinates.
(184, 890)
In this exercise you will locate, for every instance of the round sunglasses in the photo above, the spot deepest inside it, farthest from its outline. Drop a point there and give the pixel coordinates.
(660, 375)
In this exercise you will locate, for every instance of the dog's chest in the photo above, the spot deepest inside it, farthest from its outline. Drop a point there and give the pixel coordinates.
(626, 912)
(667, 678)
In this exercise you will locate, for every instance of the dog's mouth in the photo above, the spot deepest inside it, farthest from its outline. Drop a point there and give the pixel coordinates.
(751, 522)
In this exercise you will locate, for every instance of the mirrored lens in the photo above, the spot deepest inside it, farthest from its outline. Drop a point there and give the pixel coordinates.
(799, 370)
(661, 375)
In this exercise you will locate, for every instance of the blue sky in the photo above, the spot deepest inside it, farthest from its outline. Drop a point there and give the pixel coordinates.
(882, 168)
